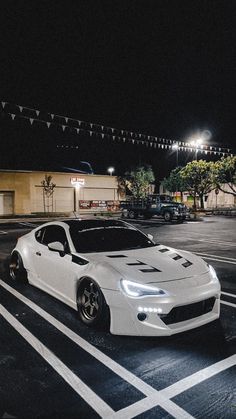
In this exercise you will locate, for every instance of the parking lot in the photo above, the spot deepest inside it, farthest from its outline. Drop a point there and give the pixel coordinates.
(54, 366)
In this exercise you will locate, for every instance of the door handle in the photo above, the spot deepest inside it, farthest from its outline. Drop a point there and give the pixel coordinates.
(38, 253)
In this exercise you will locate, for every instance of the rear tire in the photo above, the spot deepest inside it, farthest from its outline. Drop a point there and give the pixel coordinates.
(17, 271)
(92, 308)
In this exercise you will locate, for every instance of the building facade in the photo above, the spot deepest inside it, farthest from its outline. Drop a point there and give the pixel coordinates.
(26, 192)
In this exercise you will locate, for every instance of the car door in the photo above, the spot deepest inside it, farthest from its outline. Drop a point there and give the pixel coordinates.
(56, 273)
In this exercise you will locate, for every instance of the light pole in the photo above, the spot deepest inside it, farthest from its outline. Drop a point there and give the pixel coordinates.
(110, 170)
(176, 147)
(196, 143)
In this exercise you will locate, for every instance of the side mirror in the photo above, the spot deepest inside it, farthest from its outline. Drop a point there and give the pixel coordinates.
(57, 247)
(150, 236)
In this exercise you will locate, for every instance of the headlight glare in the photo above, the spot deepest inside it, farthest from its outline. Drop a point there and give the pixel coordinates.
(134, 289)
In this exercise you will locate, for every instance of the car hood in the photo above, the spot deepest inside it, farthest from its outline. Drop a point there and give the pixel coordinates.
(151, 265)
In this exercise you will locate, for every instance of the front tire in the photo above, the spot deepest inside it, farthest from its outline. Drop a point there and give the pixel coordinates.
(132, 214)
(167, 216)
(17, 271)
(92, 308)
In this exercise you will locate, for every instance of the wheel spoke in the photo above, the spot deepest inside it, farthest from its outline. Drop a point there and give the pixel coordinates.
(91, 310)
(87, 293)
(96, 305)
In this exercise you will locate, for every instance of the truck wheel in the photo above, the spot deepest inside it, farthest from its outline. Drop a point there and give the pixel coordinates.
(132, 214)
(167, 216)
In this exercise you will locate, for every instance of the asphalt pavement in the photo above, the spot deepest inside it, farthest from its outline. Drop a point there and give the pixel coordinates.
(53, 366)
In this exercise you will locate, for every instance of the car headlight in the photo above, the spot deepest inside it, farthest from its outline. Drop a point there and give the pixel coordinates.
(213, 273)
(134, 289)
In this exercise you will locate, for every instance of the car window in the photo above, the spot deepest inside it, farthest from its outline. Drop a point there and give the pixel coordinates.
(54, 233)
(39, 235)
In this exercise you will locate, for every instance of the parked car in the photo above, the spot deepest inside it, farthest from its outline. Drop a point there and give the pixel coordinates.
(160, 205)
(114, 275)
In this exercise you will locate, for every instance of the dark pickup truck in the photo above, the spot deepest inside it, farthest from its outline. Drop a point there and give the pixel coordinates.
(161, 205)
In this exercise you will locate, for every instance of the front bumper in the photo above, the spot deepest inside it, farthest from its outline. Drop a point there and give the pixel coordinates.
(165, 316)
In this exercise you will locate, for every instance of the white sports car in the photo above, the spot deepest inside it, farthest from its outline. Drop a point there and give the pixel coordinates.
(115, 275)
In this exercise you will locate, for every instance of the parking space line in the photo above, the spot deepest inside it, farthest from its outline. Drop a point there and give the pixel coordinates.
(148, 403)
(126, 375)
(77, 385)
(227, 303)
(215, 256)
(227, 293)
(153, 397)
(176, 389)
(96, 353)
(198, 377)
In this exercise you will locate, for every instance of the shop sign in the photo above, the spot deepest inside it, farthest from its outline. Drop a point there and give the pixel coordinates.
(77, 181)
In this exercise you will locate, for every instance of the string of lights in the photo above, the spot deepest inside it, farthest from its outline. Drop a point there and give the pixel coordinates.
(105, 132)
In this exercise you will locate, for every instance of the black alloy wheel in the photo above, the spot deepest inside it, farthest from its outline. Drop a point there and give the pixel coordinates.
(16, 268)
(92, 307)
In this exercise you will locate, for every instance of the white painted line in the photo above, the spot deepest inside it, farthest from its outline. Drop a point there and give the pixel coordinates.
(227, 293)
(227, 303)
(219, 260)
(224, 243)
(28, 224)
(96, 353)
(198, 377)
(148, 403)
(3, 232)
(154, 397)
(126, 375)
(215, 259)
(77, 385)
(215, 256)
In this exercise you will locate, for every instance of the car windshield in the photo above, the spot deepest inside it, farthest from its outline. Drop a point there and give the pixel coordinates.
(108, 239)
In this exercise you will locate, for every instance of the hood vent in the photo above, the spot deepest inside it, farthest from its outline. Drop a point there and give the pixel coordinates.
(147, 270)
(177, 257)
(138, 263)
(187, 263)
(116, 256)
(164, 250)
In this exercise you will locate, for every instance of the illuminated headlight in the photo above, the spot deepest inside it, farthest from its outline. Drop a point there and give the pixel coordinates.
(213, 273)
(134, 289)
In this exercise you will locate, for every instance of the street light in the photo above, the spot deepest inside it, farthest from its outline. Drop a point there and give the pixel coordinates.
(110, 170)
(176, 147)
(196, 143)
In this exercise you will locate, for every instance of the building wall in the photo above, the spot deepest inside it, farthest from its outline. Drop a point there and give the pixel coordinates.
(220, 200)
(28, 190)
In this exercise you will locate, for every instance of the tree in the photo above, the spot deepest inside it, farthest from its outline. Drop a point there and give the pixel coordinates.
(138, 180)
(225, 173)
(175, 182)
(48, 189)
(198, 179)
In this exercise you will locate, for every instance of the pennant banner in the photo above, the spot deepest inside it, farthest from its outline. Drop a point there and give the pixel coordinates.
(103, 131)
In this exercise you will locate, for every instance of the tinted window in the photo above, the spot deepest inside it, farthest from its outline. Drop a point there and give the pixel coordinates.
(39, 235)
(108, 239)
(55, 233)
(166, 198)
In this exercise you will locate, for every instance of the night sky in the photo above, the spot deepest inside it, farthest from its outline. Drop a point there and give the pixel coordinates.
(164, 68)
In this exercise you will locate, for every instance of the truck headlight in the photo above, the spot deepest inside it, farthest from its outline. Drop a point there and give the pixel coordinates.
(134, 289)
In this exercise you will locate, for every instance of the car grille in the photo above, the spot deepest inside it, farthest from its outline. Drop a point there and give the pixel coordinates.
(182, 313)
